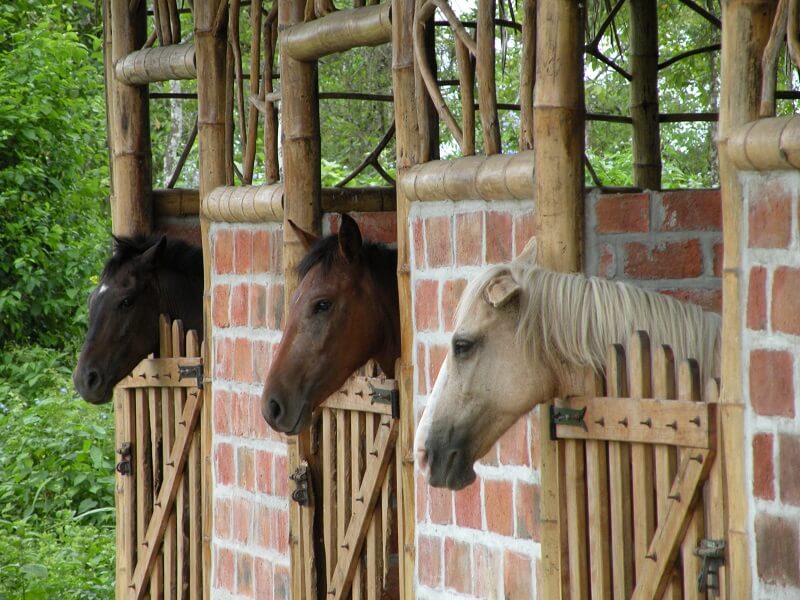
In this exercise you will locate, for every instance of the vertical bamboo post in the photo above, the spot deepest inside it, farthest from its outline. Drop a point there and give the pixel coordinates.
(131, 206)
(428, 127)
(527, 74)
(407, 132)
(271, 171)
(487, 85)
(301, 169)
(211, 46)
(745, 31)
(644, 94)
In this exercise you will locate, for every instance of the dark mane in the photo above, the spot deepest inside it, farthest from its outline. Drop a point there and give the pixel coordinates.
(178, 255)
(380, 259)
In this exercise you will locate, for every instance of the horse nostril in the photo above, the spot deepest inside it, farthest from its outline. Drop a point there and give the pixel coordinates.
(93, 379)
(275, 409)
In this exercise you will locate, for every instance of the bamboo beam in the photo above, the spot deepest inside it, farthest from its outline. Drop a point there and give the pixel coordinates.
(245, 204)
(164, 63)
(766, 145)
(558, 117)
(644, 94)
(496, 177)
(131, 206)
(406, 136)
(339, 31)
(745, 31)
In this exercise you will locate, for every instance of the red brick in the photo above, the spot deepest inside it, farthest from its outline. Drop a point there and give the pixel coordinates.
(222, 412)
(491, 458)
(719, 255)
(789, 459)
(240, 404)
(262, 252)
(430, 562)
(258, 425)
(457, 566)
(242, 520)
(514, 444)
(421, 495)
(524, 229)
(280, 531)
(225, 567)
(469, 238)
(243, 361)
(499, 237)
(436, 356)
(438, 242)
(240, 304)
(468, 506)
(517, 575)
(275, 306)
(440, 505)
(281, 466)
(777, 553)
(499, 499)
(419, 243)
(244, 574)
(527, 512)
(692, 210)
(243, 255)
(668, 260)
(375, 226)
(223, 252)
(282, 588)
(785, 304)
(421, 370)
(708, 299)
(222, 518)
(223, 358)
(224, 464)
(770, 217)
(757, 299)
(623, 213)
(451, 294)
(264, 471)
(536, 456)
(262, 351)
(245, 475)
(486, 571)
(187, 231)
(258, 305)
(264, 526)
(263, 579)
(606, 261)
(763, 467)
(771, 383)
(426, 305)
(220, 306)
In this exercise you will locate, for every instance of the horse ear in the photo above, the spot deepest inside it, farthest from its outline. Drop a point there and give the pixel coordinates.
(306, 238)
(349, 238)
(529, 252)
(151, 256)
(501, 290)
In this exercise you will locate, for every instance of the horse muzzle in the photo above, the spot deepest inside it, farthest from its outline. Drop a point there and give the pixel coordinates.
(91, 385)
(447, 465)
(283, 416)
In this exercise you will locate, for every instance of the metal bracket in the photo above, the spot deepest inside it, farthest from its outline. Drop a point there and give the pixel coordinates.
(125, 452)
(713, 554)
(560, 415)
(387, 396)
(191, 372)
(300, 478)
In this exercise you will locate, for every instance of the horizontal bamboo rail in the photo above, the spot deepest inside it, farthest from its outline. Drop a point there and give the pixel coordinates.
(339, 31)
(175, 203)
(245, 204)
(496, 177)
(157, 64)
(766, 145)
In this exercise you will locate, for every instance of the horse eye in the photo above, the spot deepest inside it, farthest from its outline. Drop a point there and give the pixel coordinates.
(462, 346)
(322, 306)
(126, 302)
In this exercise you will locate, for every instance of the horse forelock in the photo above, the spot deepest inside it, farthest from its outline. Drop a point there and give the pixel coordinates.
(379, 258)
(178, 255)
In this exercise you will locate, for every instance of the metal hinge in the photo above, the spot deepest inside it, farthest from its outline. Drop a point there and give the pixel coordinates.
(387, 396)
(191, 372)
(560, 415)
(125, 452)
(713, 554)
(300, 478)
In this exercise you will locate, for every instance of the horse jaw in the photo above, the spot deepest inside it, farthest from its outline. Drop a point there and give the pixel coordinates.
(424, 426)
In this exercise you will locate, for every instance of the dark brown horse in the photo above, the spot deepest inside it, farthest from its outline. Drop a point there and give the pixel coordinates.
(146, 277)
(344, 312)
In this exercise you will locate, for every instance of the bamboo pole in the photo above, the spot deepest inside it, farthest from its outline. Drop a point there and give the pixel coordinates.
(644, 94)
(271, 167)
(466, 79)
(211, 43)
(527, 74)
(131, 206)
(430, 102)
(745, 31)
(164, 63)
(407, 132)
(487, 86)
(252, 116)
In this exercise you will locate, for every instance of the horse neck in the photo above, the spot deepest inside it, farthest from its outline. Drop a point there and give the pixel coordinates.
(387, 299)
(180, 297)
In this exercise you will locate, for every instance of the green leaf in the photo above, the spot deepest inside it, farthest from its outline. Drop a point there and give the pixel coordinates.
(35, 570)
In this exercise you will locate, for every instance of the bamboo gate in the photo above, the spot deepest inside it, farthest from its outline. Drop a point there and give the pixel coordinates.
(291, 36)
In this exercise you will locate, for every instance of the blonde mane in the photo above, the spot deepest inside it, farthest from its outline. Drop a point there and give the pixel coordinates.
(570, 318)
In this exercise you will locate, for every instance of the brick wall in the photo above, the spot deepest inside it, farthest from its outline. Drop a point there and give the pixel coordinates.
(482, 542)
(771, 338)
(667, 241)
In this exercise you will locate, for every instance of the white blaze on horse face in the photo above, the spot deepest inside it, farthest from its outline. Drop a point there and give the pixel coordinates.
(424, 426)
(103, 289)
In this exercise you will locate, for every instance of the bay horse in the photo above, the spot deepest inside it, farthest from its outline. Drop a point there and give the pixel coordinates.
(344, 312)
(145, 277)
(520, 332)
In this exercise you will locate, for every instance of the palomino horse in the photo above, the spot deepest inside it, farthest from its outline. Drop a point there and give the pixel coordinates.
(344, 312)
(146, 276)
(521, 331)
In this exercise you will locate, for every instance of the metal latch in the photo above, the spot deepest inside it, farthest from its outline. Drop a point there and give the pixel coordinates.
(125, 452)
(560, 415)
(300, 478)
(713, 554)
(191, 372)
(390, 396)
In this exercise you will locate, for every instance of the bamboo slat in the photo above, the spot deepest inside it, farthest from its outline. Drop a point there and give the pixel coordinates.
(153, 371)
(484, 71)
(181, 515)
(165, 401)
(198, 495)
(164, 63)
(156, 575)
(339, 31)
(329, 474)
(144, 475)
(577, 538)
(125, 489)
(343, 489)
(374, 550)
(717, 515)
(357, 429)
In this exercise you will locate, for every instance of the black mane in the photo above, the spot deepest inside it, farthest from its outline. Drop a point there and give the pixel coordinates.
(379, 258)
(178, 255)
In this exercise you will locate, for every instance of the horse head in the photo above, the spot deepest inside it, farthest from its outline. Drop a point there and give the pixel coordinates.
(343, 312)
